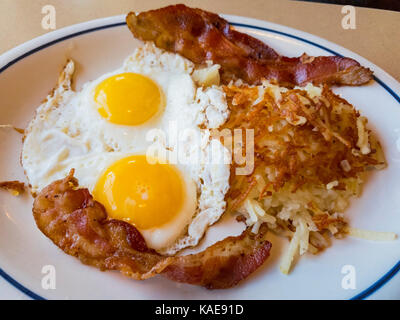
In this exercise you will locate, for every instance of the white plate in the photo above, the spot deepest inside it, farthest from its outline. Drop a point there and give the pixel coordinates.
(28, 72)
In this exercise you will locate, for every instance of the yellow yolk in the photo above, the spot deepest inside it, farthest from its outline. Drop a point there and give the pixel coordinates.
(128, 98)
(146, 195)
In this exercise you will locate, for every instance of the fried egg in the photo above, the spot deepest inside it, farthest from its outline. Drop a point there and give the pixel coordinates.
(103, 132)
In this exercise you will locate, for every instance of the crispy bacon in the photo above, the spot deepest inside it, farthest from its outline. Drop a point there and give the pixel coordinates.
(200, 36)
(78, 224)
(224, 264)
(14, 187)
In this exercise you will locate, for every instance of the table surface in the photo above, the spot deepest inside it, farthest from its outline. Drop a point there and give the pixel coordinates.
(375, 37)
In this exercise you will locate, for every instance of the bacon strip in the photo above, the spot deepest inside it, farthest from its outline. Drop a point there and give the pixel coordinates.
(14, 187)
(78, 224)
(200, 36)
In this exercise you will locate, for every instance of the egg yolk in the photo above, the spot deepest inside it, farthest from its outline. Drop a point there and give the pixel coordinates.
(128, 98)
(146, 195)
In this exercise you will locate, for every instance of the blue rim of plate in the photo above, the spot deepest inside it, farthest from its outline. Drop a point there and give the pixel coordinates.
(360, 296)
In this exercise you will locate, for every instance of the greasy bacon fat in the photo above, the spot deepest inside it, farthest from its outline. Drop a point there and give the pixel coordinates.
(78, 225)
(202, 36)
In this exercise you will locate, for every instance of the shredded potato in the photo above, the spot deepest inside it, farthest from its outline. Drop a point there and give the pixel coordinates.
(362, 142)
(289, 255)
(370, 235)
(312, 149)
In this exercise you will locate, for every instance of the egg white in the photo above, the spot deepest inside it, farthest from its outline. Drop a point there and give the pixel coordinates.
(68, 132)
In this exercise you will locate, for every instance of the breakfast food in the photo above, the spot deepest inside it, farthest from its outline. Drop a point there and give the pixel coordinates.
(79, 225)
(312, 150)
(142, 213)
(311, 147)
(94, 132)
(200, 36)
(131, 169)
